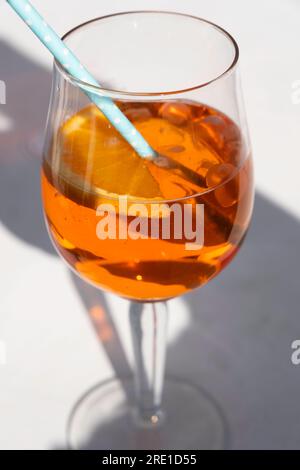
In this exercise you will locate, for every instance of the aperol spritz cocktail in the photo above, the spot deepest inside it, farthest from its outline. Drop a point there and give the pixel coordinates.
(147, 229)
(97, 165)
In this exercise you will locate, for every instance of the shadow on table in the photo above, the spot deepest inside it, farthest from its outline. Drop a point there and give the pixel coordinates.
(22, 122)
(238, 340)
(237, 344)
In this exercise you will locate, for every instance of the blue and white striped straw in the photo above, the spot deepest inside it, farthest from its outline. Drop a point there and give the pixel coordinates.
(68, 60)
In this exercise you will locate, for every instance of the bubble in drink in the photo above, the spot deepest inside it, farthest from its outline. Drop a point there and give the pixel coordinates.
(114, 143)
(178, 114)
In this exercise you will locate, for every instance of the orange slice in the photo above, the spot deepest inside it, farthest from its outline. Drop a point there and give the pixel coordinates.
(95, 156)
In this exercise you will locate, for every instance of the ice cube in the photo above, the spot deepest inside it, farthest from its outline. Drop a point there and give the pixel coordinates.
(201, 111)
(176, 113)
(218, 174)
(138, 114)
(220, 133)
(223, 178)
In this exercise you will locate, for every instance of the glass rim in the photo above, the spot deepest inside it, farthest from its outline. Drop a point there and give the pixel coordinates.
(118, 93)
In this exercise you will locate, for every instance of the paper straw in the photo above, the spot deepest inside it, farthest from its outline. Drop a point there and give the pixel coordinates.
(70, 62)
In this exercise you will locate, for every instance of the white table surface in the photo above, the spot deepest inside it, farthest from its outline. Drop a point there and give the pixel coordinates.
(234, 336)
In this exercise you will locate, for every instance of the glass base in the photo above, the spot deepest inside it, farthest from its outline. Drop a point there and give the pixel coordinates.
(104, 418)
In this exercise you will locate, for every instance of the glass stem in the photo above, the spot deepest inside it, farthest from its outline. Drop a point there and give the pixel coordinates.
(148, 322)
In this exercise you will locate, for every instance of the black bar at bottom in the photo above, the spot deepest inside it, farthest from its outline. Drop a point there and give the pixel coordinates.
(135, 459)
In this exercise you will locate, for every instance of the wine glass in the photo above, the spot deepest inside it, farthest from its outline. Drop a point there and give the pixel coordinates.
(175, 77)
